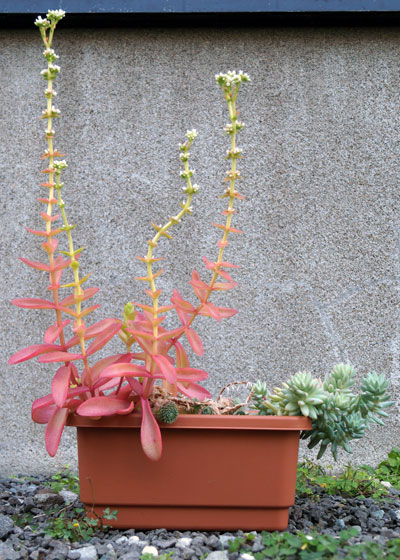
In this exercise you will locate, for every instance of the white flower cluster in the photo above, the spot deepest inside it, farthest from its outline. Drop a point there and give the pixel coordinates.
(234, 153)
(50, 93)
(51, 72)
(53, 112)
(190, 189)
(55, 15)
(191, 134)
(59, 165)
(229, 127)
(187, 174)
(231, 78)
(42, 23)
(50, 55)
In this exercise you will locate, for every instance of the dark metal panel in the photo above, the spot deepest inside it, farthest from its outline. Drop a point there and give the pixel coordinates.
(197, 6)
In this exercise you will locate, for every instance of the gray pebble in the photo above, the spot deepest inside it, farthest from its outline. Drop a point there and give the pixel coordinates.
(164, 543)
(6, 526)
(7, 552)
(257, 547)
(87, 553)
(218, 555)
(184, 542)
(224, 539)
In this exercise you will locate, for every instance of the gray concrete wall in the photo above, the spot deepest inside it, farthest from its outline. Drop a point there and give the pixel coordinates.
(320, 275)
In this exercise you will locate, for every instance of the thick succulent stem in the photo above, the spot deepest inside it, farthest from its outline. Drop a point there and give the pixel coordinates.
(54, 170)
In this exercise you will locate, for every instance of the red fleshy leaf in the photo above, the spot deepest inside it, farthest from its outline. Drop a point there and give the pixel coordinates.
(210, 310)
(194, 391)
(40, 406)
(48, 218)
(227, 264)
(226, 312)
(53, 332)
(182, 360)
(153, 321)
(43, 233)
(225, 275)
(225, 228)
(183, 315)
(195, 342)
(100, 327)
(190, 374)
(167, 369)
(33, 303)
(135, 385)
(150, 277)
(143, 342)
(54, 430)
(161, 309)
(102, 339)
(178, 301)
(94, 330)
(86, 294)
(31, 352)
(211, 265)
(36, 264)
(128, 370)
(82, 313)
(169, 335)
(41, 415)
(200, 288)
(105, 406)
(105, 385)
(77, 390)
(60, 385)
(50, 246)
(153, 295)
(101, 365)
(224, 285)
(60, 263)
(150, 434)
(59, 357)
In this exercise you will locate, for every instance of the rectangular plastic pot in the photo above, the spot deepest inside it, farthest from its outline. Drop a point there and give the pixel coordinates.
(216, 472)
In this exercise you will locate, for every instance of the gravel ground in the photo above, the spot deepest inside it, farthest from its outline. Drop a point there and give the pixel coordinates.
(374, 520)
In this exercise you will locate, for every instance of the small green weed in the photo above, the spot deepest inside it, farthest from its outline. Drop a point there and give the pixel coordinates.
(307, 472)
(315, 547)
(354, 481)
(74, 525)
(68, 523)
(389, 470)
(65, 480)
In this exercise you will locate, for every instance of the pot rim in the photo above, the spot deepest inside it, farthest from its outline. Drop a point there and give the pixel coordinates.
(199, 421)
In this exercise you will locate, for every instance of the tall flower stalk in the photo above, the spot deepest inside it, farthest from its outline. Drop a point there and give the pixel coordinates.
(69, 387)
(145, 328)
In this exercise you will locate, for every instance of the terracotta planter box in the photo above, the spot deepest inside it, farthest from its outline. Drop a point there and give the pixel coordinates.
(216, 472)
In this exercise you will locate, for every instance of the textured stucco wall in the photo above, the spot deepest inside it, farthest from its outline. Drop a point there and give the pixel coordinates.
(320, 274)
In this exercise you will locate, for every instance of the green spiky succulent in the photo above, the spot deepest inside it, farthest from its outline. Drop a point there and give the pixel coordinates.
(338, 415)
(207, 410)
(300, 395)
(168, 413)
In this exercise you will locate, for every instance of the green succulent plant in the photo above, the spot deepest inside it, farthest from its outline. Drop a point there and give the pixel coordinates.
(168, 413)
(207, 410)
(338, 415)
(300, 395)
